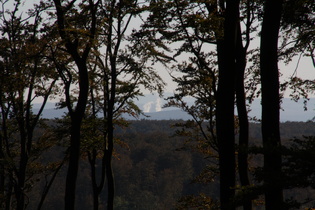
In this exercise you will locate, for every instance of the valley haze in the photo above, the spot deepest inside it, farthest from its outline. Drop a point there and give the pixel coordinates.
(152, 105)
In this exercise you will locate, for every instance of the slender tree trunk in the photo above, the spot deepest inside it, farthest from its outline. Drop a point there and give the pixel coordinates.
(243, 117)
(8, 181)
(26, 147)
(2, 173)
(19, 189)
(73, 165)
(110, 146)
(19, 186)
(96, 189)
(5, 174)
(225, 105)
(9, 192)
(75, 140)
(48, 186)
(92, 155)
(111, 185)
(80, 59)
(270, 103)
(109, 172)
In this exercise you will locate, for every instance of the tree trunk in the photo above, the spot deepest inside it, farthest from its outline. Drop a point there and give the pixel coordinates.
(2, 173)
(9, 192)
(73, 165)
(80, 59)
(21, 172)
(242, 117)
(111, 185)
(92, 160)
(48, 186)
(271, 103)
(19, 188)
(110, 146)
(75, 139)
(109, 172)
(225, 105)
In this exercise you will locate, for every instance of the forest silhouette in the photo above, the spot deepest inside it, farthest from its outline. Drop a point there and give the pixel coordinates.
(97, 57)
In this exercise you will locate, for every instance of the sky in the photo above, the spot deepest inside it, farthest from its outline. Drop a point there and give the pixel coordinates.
(305, 69)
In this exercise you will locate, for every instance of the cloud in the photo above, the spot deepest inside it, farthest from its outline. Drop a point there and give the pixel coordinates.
(147, 106)
(158, 107)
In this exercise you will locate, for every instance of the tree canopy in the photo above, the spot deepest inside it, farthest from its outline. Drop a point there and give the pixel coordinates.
(96, 58)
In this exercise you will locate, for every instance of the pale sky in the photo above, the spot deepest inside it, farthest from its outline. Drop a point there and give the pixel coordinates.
(305, 68)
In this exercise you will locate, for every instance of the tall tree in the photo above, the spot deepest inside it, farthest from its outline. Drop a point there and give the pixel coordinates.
(117, 72)
(196, 25)
(271, 103)
(241, 61)
(117, 76)
(226, 48)
(192, 27)
(78, 36)
(26, 76)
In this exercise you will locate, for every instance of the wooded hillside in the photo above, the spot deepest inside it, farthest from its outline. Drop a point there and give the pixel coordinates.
(154, 171)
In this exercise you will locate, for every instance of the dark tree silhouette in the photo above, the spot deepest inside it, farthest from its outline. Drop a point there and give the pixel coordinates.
(72, 40)
(22, 66)
(226, 47)
(271, 103)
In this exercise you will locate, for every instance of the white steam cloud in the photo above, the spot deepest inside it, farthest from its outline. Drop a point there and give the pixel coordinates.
(158, 107)
(147, 106)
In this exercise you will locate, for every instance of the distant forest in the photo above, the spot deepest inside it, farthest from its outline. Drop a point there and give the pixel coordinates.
(156, 170)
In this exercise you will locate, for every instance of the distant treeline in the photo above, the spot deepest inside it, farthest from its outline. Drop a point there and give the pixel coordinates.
(153, 170)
